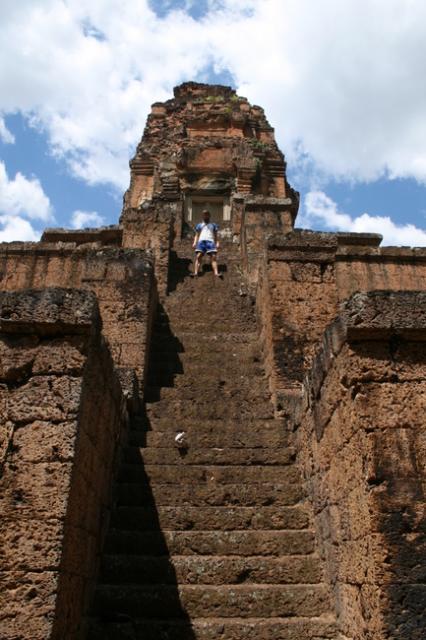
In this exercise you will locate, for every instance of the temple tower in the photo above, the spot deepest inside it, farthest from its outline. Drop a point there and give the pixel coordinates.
(207, 147)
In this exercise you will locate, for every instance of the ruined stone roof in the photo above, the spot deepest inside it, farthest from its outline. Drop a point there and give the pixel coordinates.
(207, 138)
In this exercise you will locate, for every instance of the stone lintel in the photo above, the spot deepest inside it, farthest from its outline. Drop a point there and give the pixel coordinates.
(104, 235)
(358, 239)
(320, 246)
(49, 311)
(268, 204)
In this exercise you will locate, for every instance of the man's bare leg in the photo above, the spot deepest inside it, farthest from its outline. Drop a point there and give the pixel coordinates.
(213, 259)
(197, 263)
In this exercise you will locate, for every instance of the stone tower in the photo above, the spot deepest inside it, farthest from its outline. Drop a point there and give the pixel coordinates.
(209, 148)
(205, 459)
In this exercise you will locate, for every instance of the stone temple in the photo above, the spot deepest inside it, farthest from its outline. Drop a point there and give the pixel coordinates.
(295, 508)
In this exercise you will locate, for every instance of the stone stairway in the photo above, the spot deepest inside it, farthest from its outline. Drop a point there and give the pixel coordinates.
(214, 540)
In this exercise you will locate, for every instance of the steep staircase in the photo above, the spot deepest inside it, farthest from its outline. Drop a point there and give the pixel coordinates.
(212, 540)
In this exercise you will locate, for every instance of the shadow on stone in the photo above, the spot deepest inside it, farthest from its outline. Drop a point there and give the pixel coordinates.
(137, 594)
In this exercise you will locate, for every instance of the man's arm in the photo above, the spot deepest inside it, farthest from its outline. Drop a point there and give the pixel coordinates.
(197, 235)
(216, 237)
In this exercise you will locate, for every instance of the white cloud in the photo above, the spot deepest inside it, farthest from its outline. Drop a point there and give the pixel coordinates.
(17, 228)
(83, 219)
(6, 136)
(342, 82)
(23, 196)
(320, 210)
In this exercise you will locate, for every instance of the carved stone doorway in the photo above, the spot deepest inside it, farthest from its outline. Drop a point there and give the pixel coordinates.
(219, 207)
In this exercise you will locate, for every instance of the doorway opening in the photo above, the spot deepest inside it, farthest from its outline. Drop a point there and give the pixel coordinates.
(219, 207)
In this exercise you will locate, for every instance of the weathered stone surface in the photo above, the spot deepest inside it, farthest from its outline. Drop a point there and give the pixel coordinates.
(215, 570)
(216, 535)
(320, 628)
(48, 311)
(362, 449)
(27, 604)
(60, 398)
(227, 515)
(120, 279)
(235, 601)
(383, 314)
(182, 518)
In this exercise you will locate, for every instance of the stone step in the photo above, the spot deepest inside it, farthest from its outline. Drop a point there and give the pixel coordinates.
(220, 329)
(291, 628)
(163, 435)
(181, 260)
(223, 456)
(208, 354)
(218, 294)
(207, 543)
(243, 601)
(191, 323)
(200, 361)
(203, 294)
(212, 570)
(160, 337)
(225, 257)
(200, 475)
(181, 310)
(200, 410)
(187, 518)
(232, 377)
(223, 427)
(210, 493)
(210, 388)
(190, 386)
(184, 268)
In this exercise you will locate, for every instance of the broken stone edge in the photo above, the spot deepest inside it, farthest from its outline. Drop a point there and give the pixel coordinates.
(49, 311)
(376, 316)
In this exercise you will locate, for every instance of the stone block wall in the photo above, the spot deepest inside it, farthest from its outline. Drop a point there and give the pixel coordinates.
(152, 226)
(306, 275)
(122, 280)
(63, 414)
(362, 449)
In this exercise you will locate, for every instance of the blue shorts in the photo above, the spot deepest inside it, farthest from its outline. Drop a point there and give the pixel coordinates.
(205, 246)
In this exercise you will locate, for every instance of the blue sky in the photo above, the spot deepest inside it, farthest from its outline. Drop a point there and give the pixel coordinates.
(342, 83)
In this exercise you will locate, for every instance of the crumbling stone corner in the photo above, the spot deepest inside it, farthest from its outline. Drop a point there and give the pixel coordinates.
(361, 443)
(63, 415)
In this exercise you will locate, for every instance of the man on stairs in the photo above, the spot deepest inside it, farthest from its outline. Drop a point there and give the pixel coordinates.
(206, 242)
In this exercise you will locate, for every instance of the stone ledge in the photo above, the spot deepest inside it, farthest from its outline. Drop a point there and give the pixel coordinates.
(374, 316)
(303, 245)
(104, 235)
(381, 254)
(380, 315)
(142, 257)
(49, 311)
(357, 239)
(260, 203)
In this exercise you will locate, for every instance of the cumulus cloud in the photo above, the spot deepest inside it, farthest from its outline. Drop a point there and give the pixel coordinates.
(17, 228)
(6, 136)
(342, 82)
(87, 73)
(320, 210)
(83, 219)
(22, 201)
(23, 196)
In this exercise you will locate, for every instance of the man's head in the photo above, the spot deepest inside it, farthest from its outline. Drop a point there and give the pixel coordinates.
(206, 215)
